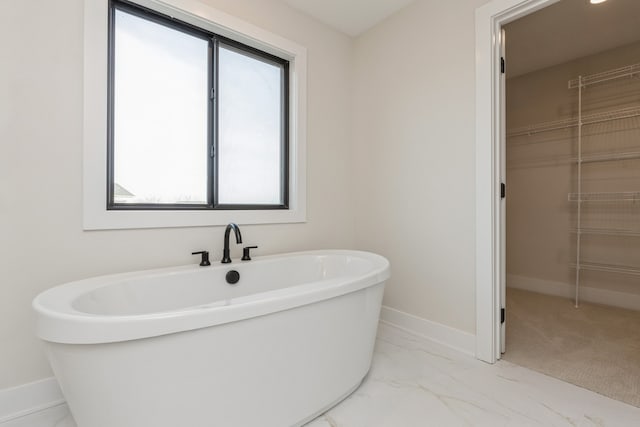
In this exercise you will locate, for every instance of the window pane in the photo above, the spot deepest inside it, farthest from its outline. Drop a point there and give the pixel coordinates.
(160, 113)
(250, 134)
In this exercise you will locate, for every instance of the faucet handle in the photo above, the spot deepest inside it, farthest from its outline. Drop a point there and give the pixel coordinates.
(204, 260)
(246, 256)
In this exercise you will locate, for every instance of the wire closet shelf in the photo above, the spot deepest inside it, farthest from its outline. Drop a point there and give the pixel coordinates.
(583, 82)
(623, 113)
(627, 203)
(580, 197)
(605, 76)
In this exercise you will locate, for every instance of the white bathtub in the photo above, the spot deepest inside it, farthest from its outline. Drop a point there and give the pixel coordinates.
(181, 347)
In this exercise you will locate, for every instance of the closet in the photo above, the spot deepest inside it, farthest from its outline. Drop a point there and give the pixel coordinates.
(573, 222)
(595, 150)
(572, 203)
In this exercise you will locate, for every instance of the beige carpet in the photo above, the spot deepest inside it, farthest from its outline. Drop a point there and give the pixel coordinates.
(595, 347)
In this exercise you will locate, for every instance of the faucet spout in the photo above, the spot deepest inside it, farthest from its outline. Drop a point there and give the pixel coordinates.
(226, 258)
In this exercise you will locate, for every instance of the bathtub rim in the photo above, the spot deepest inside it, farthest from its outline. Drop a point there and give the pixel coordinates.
(60, 322)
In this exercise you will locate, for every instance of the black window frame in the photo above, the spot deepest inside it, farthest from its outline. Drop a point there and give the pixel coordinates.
(215, 41)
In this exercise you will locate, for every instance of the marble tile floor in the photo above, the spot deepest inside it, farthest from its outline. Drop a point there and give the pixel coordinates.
(414, 382)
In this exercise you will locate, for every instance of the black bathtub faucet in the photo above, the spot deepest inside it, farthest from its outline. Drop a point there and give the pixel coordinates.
(226, 258)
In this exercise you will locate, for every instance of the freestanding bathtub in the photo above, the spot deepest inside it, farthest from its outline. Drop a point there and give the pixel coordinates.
(182, 347)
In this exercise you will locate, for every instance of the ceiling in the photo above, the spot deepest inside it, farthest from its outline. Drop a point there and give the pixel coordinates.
(352, 17)
(568, 30)
(564, 31)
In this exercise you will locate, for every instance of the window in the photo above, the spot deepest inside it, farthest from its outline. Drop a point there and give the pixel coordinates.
(196, 24)
(196, 121)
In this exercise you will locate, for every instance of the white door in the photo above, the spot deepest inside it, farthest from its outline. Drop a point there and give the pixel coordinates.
(502, 271)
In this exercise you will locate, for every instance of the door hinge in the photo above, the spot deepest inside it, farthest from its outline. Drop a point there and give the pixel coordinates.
(503, 190)
(212, 94)
(502, 66)
(502, 315)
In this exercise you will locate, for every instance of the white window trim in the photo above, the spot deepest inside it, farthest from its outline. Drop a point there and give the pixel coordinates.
(96, 215)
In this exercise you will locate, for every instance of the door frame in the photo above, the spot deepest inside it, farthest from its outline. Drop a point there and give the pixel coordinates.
(490, 152)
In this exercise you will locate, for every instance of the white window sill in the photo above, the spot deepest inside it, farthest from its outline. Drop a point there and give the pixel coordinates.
(160, 219)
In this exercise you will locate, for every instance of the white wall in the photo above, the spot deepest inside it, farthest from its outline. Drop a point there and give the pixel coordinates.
(390, 162)
(42, 243)
(414, 156)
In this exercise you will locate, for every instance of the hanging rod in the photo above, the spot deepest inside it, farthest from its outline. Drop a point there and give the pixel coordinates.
(593, 158)
(624, 113)
(560, 161)
(626, 196)
(544, 127)
(608, 231)
(611, 268)
(628, 71)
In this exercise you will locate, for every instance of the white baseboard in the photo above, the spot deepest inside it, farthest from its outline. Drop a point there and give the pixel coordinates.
(433, 331)
(561, 289)
(28, 398)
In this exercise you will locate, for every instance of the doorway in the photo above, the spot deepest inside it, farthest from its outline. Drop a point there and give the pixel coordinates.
(570, 156)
